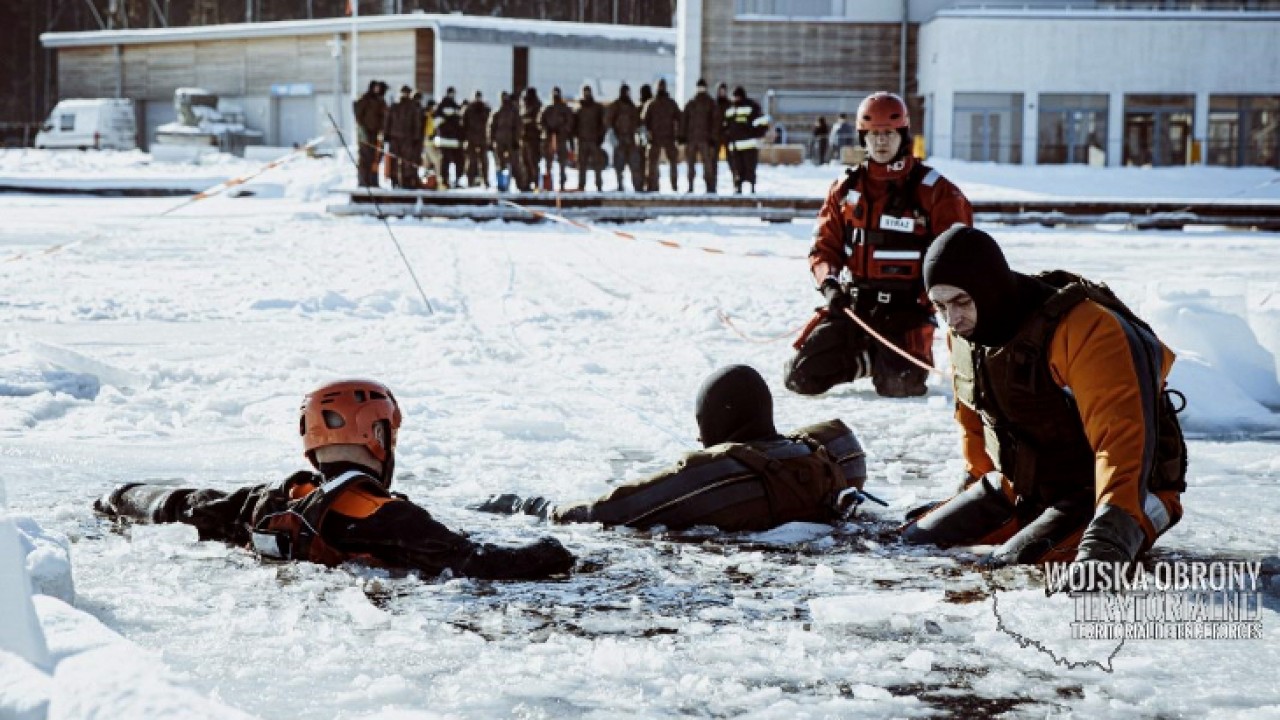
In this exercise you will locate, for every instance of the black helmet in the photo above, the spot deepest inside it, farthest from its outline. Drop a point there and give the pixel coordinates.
(734, 405)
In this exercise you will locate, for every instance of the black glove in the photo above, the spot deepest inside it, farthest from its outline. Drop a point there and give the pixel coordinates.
(542, 559)
(838, 299)
(511, 504)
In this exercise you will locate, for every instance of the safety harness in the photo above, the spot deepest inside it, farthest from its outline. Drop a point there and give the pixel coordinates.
(1032, 428)
(287, 522)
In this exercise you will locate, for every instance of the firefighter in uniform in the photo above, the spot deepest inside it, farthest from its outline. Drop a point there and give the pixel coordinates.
(743, 126)
(749, 477)
(1070, 435)
(877, 222)
(344, 511)
(449, 138)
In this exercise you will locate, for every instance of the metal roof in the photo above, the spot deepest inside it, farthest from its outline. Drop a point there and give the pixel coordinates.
(448, 27)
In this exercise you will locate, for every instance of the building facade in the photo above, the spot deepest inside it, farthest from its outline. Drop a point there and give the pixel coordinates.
(288, 76)
(1106, 82)
(1102, 86)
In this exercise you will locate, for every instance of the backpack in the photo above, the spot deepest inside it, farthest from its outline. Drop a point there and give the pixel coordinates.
(1169, 471)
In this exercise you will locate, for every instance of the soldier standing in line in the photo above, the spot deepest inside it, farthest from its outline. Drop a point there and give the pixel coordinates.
(504, 133)
(556, 121)
(700, 131)
(449, 138)
(401, 132)
(530, 138)
(623, 118)
(371, 115)
(589, 131)
(661, 118)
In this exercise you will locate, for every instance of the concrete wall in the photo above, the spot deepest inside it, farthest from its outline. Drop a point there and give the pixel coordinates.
(570, 69)
(1167, 55)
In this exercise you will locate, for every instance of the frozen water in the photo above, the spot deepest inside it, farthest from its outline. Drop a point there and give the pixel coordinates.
(562, 363)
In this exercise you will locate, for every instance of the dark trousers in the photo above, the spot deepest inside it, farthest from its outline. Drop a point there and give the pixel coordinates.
(450, 157)
(627, 156)
(590, 157)
(837, 350)
(983, 514)
(556, 149)
(367, 171)
(707, 152)
(506, 157)
(477, 164)
(743, 164)
(653, 155)
(529, 159)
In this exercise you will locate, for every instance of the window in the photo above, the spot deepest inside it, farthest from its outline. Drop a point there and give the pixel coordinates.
(1073, 130)
(1243, 130)
(67, 122)
(988, 127)
(825, 10)
(1157, 129)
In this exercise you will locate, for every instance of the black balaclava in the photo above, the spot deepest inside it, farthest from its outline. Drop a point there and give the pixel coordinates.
(972, 261)
(734, 405)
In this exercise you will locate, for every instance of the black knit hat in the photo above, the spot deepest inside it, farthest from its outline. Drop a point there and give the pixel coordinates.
(734, 405)
(971, 260)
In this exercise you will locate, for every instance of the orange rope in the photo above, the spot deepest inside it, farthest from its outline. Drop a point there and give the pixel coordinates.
(728, 322)
(884, 341)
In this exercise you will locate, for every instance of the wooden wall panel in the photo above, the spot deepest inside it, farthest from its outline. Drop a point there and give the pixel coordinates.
(221, 66)
(169, 66)
(424, 73)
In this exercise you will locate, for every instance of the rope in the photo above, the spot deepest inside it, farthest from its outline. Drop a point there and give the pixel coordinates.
(884, 341)
(728, 322)
(383, 217)
(233, 182)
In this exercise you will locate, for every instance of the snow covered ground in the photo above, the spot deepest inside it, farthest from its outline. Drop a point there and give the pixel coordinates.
(175, 349)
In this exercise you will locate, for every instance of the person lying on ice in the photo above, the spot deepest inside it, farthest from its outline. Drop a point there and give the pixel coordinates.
(749, 477)
(1071, 440)
(345, 511)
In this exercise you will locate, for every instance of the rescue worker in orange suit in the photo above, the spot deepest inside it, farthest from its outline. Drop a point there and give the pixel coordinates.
(1070, 437)
(877, 222)
(748, 477)
(342, 512)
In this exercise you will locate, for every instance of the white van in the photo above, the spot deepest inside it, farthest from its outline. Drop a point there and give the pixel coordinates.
(99, 123)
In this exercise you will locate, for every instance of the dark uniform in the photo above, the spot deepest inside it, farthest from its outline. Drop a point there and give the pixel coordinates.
(589, 130)
(623, 118)
(661, 119)
(530, 138)
(403, 131)
(743, 127)
(449, 139)
(700, 130)
(354, 519)
(556, 122)
(345, 511)
(504, 133)
(371, 115)
(748, 478)
(1072, 444)
(475, 129)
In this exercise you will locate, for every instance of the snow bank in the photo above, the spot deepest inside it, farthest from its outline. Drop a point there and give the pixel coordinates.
(1229, 378)
(57, 662)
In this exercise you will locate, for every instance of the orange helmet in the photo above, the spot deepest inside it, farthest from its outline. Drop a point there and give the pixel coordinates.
(345, 413)
(883, 111)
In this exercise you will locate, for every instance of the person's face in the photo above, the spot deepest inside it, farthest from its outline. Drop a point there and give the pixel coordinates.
(722, 93)
(883, 145)
(956, 307)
